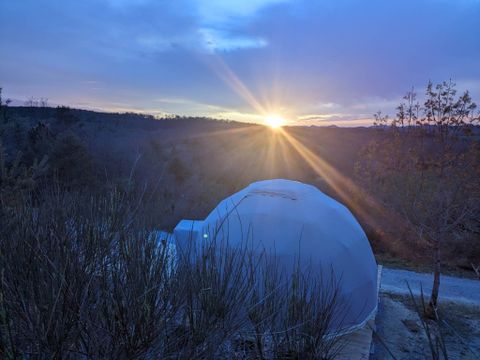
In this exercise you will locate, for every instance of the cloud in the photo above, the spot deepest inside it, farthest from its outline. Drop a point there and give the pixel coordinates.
(215, 41)
(327, 58)
(155, 44)
(217, 12)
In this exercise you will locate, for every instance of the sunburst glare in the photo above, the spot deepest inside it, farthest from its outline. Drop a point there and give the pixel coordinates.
(274, 121)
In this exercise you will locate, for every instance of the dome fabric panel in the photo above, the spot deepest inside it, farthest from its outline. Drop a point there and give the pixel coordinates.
(296, 220)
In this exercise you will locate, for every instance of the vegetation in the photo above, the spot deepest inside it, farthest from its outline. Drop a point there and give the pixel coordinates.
(3, 107)
(83, 273)
(426, 169)
(83, 277)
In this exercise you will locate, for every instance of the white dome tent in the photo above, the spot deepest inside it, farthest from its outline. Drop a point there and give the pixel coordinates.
(298, 220)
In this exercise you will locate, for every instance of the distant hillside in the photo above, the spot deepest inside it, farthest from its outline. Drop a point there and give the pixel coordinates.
(126, 132)
(185, 166)
(222, 154)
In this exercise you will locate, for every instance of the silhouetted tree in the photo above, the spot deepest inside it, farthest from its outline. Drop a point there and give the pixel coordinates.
(427, 168)
(3, 107)
(71, 161)
(31, 102)
(179, 170)
(16, 176)
(64, 115)
(39, 142)
(43, 102)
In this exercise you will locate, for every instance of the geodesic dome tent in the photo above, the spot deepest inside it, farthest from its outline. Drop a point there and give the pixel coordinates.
(298, 221)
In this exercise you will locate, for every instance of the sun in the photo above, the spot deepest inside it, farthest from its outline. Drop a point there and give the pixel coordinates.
(274, 121)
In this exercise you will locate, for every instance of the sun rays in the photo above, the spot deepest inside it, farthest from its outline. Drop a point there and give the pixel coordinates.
(274, 121)
(280, 153)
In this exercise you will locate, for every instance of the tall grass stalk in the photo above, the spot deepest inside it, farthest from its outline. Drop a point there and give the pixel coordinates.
(83, 277)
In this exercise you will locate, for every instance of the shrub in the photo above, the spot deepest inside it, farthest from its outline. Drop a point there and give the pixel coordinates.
(82, 277)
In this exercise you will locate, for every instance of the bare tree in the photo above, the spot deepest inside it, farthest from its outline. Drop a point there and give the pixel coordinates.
(426, 168)
(43, 102)
(31, 102)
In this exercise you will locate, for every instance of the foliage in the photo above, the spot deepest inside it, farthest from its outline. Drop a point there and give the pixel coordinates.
(72, 161)
(4, 107)
(64, 115)
(17, 177)
(179, 170)
(426, 168)
(39, 143)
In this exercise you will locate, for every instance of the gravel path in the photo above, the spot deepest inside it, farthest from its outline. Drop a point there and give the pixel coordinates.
(455, 289)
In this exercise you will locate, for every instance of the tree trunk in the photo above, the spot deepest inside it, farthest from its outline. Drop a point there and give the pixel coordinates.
(432, 306)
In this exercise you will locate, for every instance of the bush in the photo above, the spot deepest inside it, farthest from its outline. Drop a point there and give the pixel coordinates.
(82, 277)
(90, 283)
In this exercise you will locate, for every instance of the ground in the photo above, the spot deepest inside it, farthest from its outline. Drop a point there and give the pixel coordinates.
(398, 325)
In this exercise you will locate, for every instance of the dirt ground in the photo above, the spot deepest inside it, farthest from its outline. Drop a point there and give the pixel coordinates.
(400, 330)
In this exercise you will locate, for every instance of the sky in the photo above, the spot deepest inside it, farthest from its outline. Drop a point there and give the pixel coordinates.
(313, 62)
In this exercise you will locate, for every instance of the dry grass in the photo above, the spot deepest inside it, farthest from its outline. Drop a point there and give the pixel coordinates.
(83, 277)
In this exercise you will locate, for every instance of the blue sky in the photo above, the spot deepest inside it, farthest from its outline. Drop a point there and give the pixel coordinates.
(311, 61)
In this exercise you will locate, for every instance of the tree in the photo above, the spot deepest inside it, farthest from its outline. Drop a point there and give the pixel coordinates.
(426, 167)
(180, 172)
(39, 142)
(3, 107)
(16, 176)
(31, 102)
(65, 116)
(72, 161)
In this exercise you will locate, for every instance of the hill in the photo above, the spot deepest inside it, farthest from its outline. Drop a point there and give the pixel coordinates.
(185, 166)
